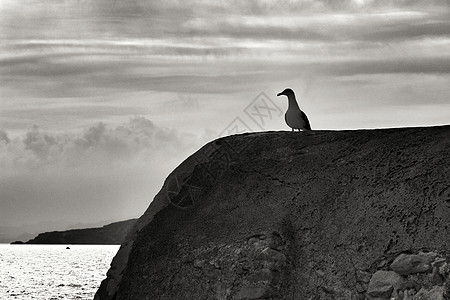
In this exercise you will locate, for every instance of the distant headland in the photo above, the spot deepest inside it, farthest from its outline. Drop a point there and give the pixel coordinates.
(111, 234)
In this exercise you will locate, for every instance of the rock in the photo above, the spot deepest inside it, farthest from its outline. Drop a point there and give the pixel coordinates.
(362, 276)
(436, 278)
(406, 264)
(382, 284)
(361, 287)
(439, 261)
(437, 293)
(389, 175)
(362, 280)
(270, 255)
(199, 263)
(407, 285)
(446, 290)
(382, 263)
(422, 295)
(320, 273)
(256, 240)
(215, 263)
(444, 269)
(263, 275)
(256, 286)
(276, 241)
(249, 292)
(431, 255)
(407, 294)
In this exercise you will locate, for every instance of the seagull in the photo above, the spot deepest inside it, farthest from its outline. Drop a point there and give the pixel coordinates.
(294, 116)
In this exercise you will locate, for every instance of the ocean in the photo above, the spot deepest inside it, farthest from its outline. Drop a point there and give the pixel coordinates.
(53, 272)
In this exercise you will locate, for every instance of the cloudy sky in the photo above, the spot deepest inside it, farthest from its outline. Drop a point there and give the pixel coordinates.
(100, 99)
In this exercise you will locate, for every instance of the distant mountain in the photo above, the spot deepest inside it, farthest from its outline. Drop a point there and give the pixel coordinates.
(88, 225)
(111, 234)
(28, 231)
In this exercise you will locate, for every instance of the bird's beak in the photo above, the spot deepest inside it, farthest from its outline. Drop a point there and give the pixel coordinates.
(279, 94)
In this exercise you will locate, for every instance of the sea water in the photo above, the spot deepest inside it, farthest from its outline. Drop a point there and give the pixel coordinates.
(53, 271)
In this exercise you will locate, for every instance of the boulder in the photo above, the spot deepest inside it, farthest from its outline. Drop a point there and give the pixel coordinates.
(382, 284)
(340, 201)
(406, 264)
(436, 293)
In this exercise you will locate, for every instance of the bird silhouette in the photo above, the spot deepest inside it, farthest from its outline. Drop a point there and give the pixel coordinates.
(294, 116)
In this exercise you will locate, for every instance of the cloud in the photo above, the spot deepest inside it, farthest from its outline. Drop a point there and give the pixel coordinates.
(135, 142)
(399, 66)
(72, 50)
(66, 61)
(409, 31)
(4, 137)
(112, 171)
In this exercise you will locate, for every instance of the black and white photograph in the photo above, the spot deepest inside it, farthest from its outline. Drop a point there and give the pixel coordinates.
(225, 150)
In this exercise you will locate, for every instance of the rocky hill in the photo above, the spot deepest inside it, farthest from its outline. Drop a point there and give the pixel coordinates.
(111, 234)
(359, 214)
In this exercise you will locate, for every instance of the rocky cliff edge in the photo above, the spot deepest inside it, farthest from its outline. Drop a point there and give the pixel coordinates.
(359, 214)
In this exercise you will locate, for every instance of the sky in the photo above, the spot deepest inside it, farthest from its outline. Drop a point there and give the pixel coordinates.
(101, 99)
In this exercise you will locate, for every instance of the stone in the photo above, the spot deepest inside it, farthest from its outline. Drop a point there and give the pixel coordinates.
(382, 263)
(361, 287)
(222, 291)
(254, 240)
(320, 273)
(422, 295)
(432, 255)
(446, 290)
(362, 276)
(271, 255)
(263, 275)
(444, 269)
(406, 264)
(382, 284)
(214, 263)
(439, 261)
(253, 292)
(436, 278)
(408, 294)
(406, 285)
(276, 240)
(437, 293)
(257, 285)
(199, 263)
